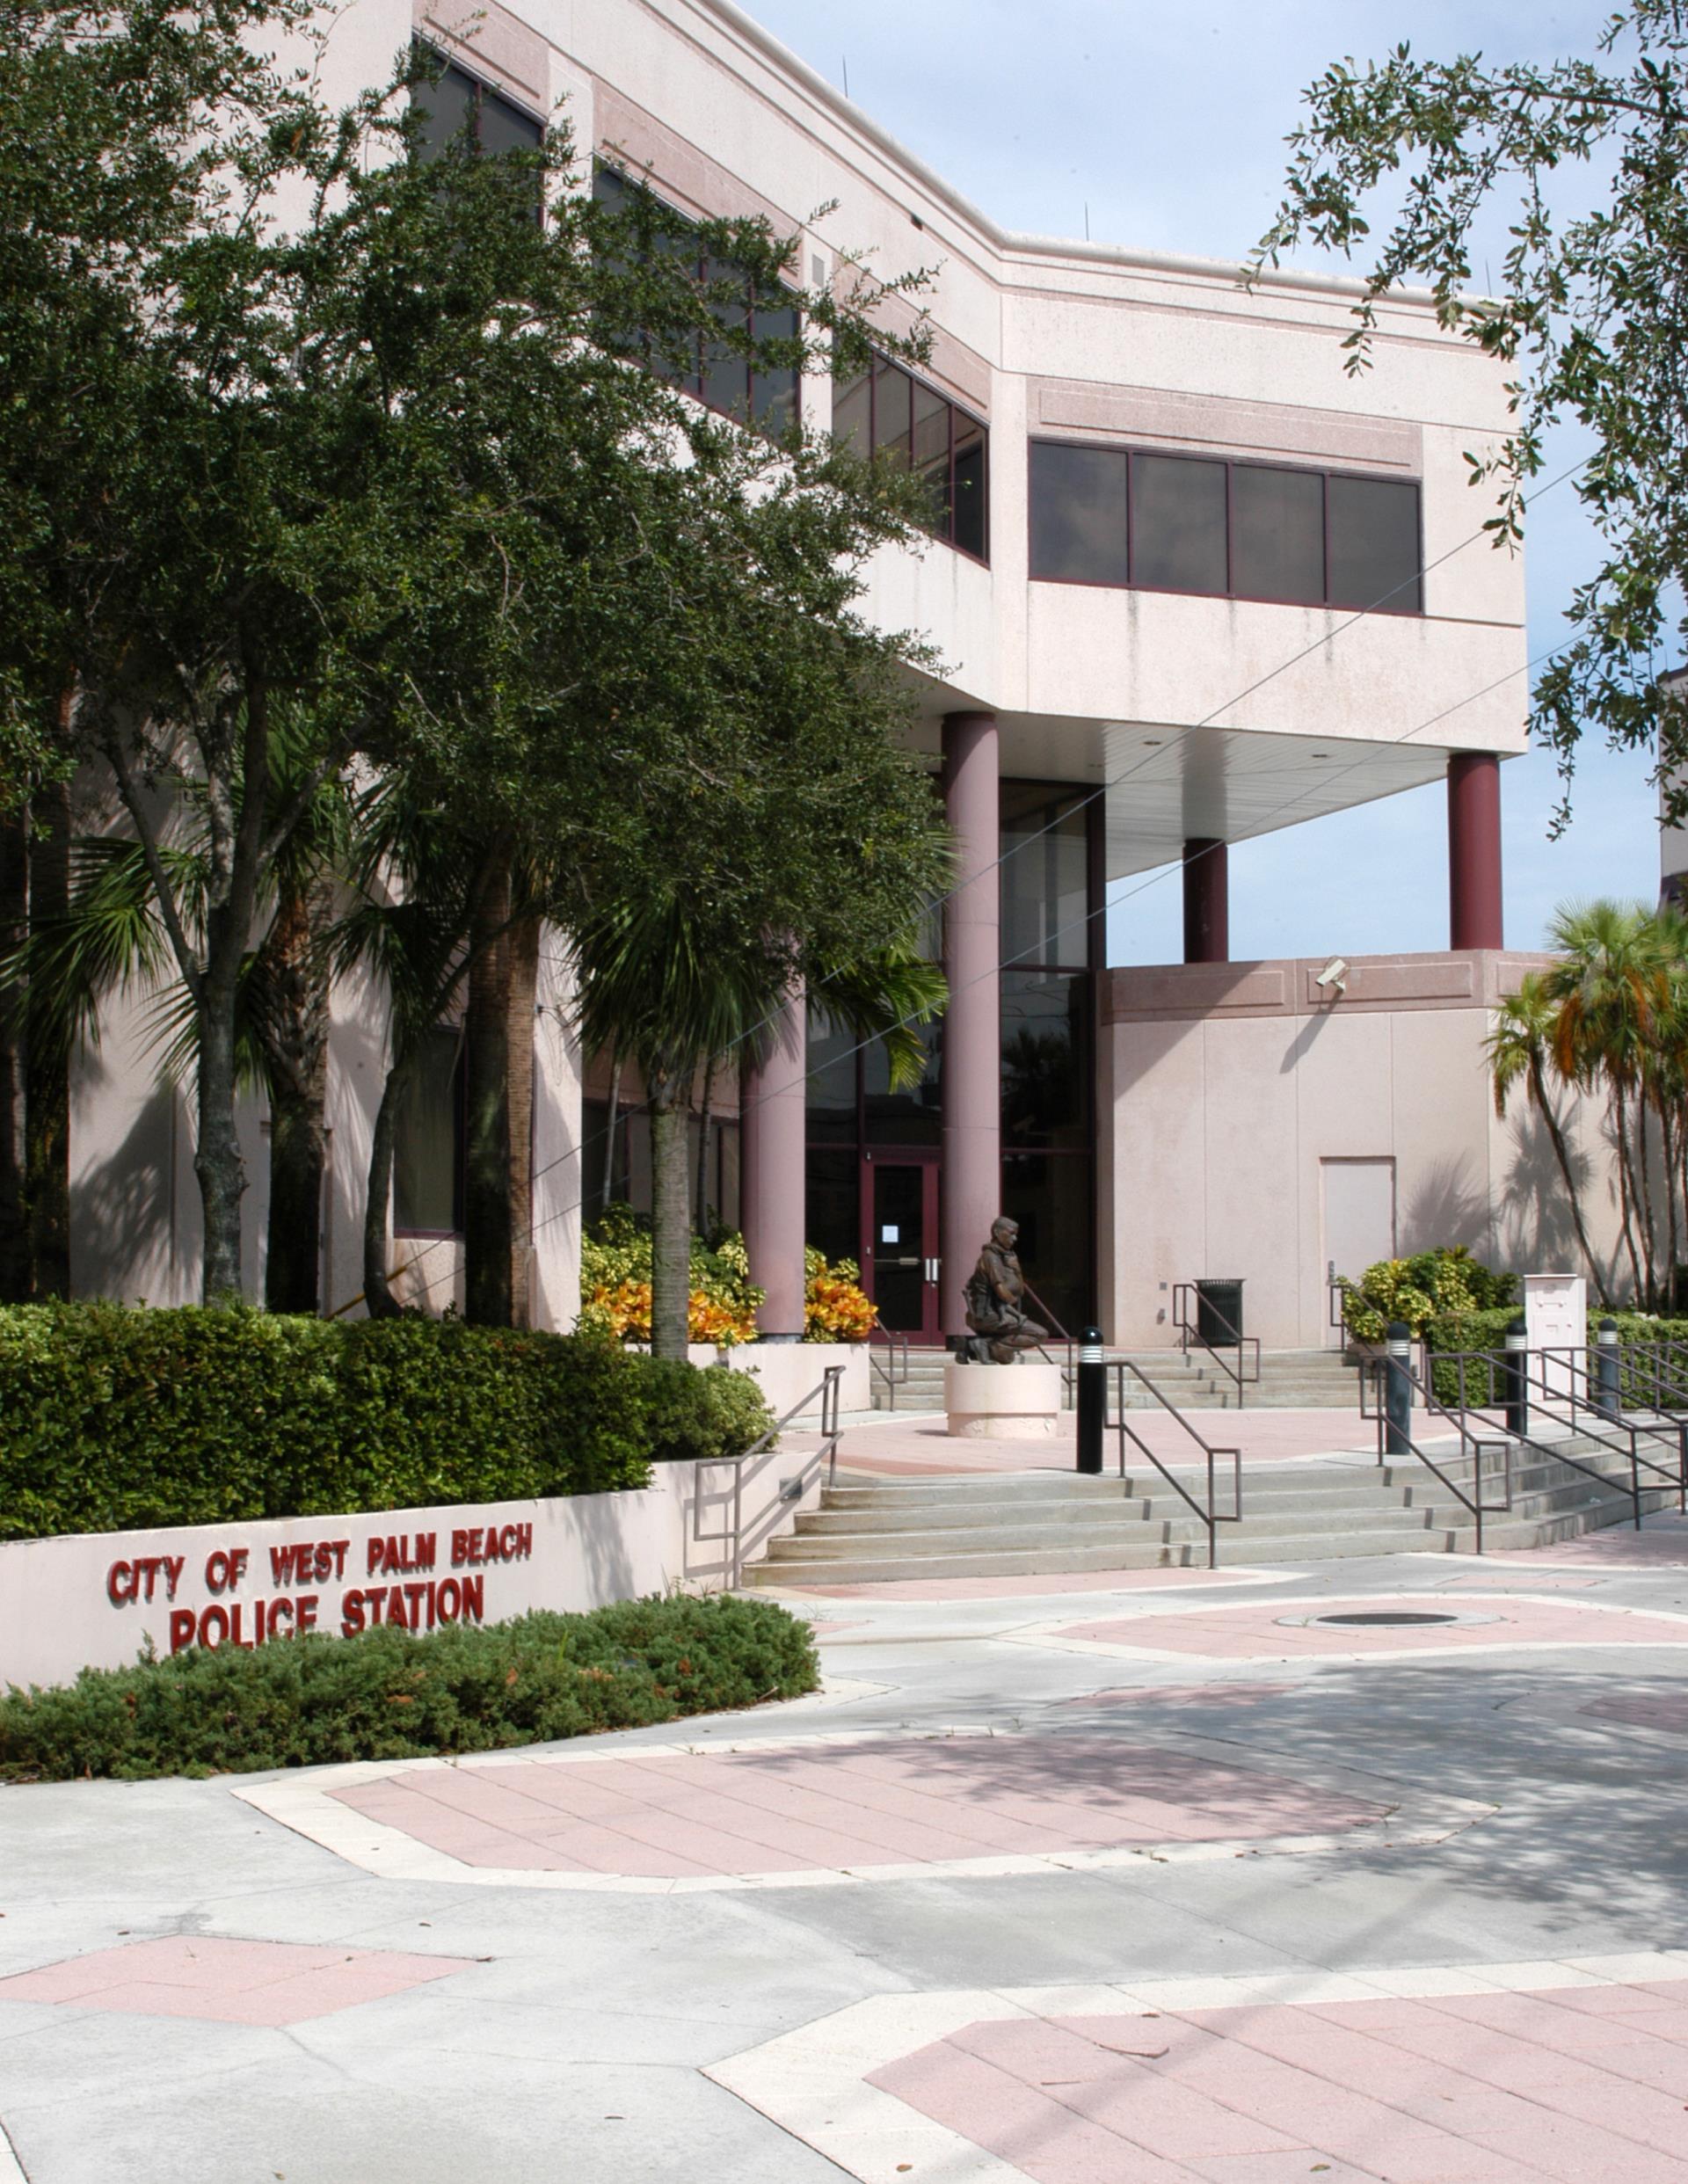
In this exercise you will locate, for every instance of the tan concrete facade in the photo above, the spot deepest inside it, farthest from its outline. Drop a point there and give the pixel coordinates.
(1212, 718)
(1241, 1101)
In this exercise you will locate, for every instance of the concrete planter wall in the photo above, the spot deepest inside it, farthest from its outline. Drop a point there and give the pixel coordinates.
(96, 1600)
(789, 1370)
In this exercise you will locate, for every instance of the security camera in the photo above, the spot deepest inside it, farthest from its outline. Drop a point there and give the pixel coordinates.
(1334, 977)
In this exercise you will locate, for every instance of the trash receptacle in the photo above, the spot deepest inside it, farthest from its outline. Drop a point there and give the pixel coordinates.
(1219, 1311)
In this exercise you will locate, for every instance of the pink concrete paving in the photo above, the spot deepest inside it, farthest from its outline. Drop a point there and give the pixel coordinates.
(1669, 1710)
(894, 1448)
(1029, 1588)
(1254, 1632)
(226, 1981)
(1573, 2086)
(843, 1806)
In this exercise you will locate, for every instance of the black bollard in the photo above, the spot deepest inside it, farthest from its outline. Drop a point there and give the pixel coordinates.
(1397, 1390)
(1092, 1399)
(1515, 1378)
(1605, 1369)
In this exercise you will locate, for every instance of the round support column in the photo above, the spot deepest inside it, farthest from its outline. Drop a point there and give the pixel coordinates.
(1207, 901)
(773, 1127)
(1474, 850)
(972, 1179)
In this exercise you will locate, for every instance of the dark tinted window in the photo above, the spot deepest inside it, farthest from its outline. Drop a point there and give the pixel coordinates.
(912, 426)
(914, 1118)
(1248, 529)
(1045, 860)
(832, 1080)
(1178, 524)
(1043, 1050)
(459, 101)
(1078, 514)
(428, 1144)
(1277, 533)
(1374, 544)
(714, 372)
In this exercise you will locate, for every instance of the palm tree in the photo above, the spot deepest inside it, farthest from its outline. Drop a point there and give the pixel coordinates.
(1520, 1051)
(1611, 988)
(661, 988)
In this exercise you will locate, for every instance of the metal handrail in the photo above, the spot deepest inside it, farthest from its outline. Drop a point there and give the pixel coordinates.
(1568, 1355)
(1069, 1370)
(827, 1389)
(897, 1342)
(1238, 1341)
(1212, 1517)
(1375, 1368)
(1494, 1363)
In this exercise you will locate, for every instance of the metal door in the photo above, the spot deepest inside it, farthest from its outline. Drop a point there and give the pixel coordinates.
(899, 1261)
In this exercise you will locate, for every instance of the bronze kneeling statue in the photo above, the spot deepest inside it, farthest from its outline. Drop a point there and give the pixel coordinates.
(1001, 1330)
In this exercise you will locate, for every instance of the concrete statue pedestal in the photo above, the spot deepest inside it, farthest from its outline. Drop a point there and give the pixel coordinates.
(999, 1402)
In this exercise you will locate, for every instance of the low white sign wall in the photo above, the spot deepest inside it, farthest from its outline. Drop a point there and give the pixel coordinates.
(97, 1601)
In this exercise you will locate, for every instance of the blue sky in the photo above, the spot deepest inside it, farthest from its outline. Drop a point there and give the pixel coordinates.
(1165, 127)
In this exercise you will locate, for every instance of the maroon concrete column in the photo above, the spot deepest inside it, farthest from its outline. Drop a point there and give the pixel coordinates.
(771, 1133)
(1474, 850)
(1207, 902)
(971, 1180)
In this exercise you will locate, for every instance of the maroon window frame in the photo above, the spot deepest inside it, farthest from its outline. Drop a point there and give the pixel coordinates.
(1129, 455)
(944, 527)
(696, 381)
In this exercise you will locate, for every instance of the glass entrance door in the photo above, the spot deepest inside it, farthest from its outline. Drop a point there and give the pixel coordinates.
(900, 1260)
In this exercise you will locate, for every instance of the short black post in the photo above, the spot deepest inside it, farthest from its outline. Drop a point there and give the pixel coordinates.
(1398, 1390)
(1605, 1368)
(1515, 1378)
(1092, 1399)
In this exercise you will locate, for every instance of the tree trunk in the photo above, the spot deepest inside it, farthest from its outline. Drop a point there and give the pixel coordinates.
(1561, 1153)
(1667, 1161)
(499, 1081)
(14, 914)
(670, 1219)
(298, 1103)
(378, 1298)
(1649, 1238)
(609, 1155)
(523, 942)
(1625, 1187)
(46, 1070)
(702, 1222)
(217, 1160)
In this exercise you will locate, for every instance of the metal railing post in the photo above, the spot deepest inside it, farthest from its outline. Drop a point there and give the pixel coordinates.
(1515, 1378)
(1397, 1389)
(1605, 1369)
(1092, 1400)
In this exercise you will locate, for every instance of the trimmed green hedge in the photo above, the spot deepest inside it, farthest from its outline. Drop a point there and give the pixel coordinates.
(1486, 1331)
(391, 1696)
(115, 1417)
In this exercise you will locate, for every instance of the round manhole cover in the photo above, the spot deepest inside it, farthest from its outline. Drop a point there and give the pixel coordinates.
(1389, 1618)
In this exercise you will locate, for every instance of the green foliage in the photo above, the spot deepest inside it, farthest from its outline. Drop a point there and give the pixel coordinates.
(390, 1694)
(1485, 1330)
(1430, 1283)
(706, 1413)
(117, 1418)
(1583, 161)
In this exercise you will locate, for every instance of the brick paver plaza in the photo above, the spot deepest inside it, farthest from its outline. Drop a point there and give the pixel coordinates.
(1158, 1878)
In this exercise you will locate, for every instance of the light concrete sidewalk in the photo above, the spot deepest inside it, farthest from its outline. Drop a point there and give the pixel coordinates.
(1161, 1878)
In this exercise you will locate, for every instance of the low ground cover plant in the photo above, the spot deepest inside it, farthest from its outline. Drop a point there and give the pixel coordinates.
(390, 1694)
(616, 1288)
(114, 1417)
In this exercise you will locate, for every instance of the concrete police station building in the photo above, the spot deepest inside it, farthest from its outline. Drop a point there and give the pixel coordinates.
(1192, 583)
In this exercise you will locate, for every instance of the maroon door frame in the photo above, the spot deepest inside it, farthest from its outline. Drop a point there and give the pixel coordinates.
(930, 1331)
